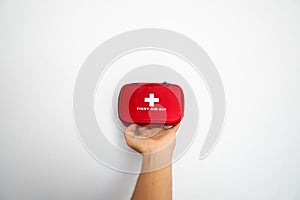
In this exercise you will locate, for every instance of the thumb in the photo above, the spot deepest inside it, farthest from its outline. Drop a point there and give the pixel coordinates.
(175, 128)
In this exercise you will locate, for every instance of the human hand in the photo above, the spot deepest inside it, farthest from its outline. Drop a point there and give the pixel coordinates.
(151, 138)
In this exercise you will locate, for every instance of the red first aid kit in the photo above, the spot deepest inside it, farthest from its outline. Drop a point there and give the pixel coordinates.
(151, 103)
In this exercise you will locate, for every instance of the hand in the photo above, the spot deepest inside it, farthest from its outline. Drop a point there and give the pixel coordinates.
(151, 138)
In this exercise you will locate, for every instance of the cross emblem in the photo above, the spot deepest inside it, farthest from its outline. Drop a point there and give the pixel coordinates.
(151, 99)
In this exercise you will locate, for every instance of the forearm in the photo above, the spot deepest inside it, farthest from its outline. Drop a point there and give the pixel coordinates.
(154, 184)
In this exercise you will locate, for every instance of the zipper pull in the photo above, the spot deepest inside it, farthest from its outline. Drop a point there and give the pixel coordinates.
(166, 83)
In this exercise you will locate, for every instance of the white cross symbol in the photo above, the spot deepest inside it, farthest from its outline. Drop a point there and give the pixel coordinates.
(151, 99)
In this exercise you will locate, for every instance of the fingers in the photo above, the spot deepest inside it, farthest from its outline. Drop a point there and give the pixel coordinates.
(149, 132)
(130, 129)
(141, 129)
(155, 126)
(149, 127)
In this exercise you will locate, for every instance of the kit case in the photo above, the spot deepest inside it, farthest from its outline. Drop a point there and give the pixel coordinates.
(151, 103)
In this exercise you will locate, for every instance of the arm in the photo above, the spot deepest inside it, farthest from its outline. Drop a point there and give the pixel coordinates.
(154, 185)
(156, 146)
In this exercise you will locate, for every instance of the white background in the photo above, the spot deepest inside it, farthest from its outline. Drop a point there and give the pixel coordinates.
(254, 44)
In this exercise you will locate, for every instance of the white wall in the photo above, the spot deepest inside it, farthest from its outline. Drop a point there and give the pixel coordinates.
(255, 46)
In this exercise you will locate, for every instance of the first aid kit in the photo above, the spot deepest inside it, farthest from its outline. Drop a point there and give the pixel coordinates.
(151, 103)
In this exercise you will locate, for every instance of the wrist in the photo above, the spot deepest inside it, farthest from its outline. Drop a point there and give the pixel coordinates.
(156, 161)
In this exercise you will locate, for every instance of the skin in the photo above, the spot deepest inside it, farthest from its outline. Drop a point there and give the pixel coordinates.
(156, 145)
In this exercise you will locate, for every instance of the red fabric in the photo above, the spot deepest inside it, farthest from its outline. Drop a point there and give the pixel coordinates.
(151, 103)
